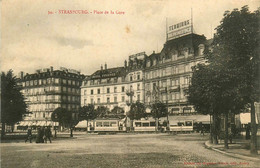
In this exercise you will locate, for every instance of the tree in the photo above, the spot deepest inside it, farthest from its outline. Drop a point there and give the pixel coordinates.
(102, 112)
(117, 112)
(13, 106)
(212, 91)
(87, 113)
(137, 111)
(236, 49)
(63, 116)
(159, 110)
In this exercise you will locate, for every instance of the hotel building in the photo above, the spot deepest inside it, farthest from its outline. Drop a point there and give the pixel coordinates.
(48, 89)
(118, 86)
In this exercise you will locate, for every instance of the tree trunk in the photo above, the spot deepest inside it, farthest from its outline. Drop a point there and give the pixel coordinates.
(87, 126)
(156, 125)
(214, 132)
(132, 126)
(3, 130)
(226, 129)
(253, 145)
(211, 133)
(71, 132)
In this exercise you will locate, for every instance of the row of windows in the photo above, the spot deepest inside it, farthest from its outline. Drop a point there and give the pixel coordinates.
(50, 107)
(50, 81)
(98, 91)
(43, 90)
(170, 96)
(168, 71)
(108, 100)
(108, 90)
(171, 82)
(52, 98)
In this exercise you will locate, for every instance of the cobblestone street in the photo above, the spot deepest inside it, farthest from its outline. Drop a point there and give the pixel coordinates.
(122, 150)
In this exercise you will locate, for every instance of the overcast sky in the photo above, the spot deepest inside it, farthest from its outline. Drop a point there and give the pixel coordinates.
(31, 39)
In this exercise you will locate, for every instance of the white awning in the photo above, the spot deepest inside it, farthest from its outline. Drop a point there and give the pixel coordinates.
(82, 124)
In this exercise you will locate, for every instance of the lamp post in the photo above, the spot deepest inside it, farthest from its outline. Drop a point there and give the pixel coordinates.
(56, 117)
(130, 94)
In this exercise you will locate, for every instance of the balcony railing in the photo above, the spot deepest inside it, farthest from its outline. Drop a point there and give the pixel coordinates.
(174, 88)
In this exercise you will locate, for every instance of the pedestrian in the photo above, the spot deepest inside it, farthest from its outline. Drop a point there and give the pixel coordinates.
(42, 135)
(38, 135)
(29, 136)
(202, 130)
(47, 134)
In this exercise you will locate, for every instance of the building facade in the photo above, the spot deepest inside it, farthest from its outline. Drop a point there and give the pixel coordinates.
(48, 89)
(163, 76)
(115, 87)
(168, 73)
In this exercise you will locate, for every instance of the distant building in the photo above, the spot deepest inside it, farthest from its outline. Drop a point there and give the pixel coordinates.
(48, 89)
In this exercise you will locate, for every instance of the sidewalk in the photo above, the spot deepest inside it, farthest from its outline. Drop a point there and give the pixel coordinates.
(240, 148)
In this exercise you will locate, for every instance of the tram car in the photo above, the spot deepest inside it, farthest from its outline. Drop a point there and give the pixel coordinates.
(144, 125)
(108, 125)
(181, 126)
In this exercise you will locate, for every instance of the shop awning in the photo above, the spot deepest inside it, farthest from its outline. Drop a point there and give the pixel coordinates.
(82, 124)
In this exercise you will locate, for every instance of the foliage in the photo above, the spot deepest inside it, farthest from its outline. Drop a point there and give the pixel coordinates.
(236, 48)
(137, 111)
(159, 110)
(61, 115)
(87, 112)
(230, 80)
(117, 112)
(13, 106)
(102, 111)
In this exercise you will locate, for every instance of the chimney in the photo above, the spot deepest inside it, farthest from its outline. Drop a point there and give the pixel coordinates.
(105, 66)
(125, 63)
(153, 52)
(101, 67)
(21, 75)
(51, 69)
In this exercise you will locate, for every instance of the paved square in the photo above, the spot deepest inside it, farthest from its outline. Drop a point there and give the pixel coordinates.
(120, 150)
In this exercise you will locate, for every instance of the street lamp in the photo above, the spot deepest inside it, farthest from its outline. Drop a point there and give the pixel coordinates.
(56, 117)
(130, 93)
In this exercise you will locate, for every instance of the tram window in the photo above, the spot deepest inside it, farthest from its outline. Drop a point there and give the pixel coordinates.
(113, 124)
(138, 124)
(188, 123)
(99, 124)
(152, 124)
(106, 124)
(145, 124)
(180, 123)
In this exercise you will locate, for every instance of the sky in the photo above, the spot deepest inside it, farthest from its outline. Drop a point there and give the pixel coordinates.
(32, 38)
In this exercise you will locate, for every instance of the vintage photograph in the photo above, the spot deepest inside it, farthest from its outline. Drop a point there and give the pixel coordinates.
(111, 84)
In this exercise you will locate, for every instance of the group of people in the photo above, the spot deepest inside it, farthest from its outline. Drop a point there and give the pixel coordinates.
(43, 134)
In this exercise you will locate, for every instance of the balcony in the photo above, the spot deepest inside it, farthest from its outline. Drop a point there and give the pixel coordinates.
(185, 86)
(163, 89)
(175, 88)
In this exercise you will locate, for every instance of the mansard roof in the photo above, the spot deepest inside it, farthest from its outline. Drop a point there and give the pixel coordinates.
(108, 73)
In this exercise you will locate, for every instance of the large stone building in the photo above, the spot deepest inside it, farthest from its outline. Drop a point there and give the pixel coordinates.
(168, 73)
(118, 86)
(48, 89)
(163, 76)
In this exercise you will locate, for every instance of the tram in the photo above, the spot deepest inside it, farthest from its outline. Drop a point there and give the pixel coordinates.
(108, 125)
(144, 125)
(181, 126)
